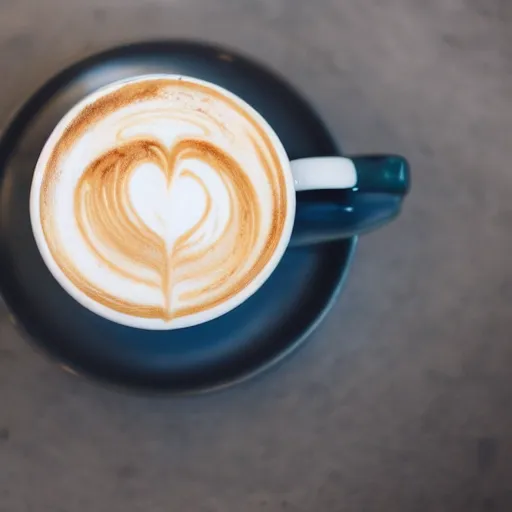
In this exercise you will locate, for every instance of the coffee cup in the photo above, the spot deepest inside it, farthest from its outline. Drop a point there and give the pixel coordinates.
(164, 201)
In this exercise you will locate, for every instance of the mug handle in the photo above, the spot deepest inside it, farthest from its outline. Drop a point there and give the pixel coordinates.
(340, 197)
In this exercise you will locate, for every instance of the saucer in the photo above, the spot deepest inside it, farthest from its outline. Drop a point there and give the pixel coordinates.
(251, 338)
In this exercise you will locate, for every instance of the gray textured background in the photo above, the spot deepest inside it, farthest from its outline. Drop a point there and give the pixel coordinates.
(402, 401)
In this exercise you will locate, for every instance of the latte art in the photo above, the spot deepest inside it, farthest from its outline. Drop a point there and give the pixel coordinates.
(161, 199)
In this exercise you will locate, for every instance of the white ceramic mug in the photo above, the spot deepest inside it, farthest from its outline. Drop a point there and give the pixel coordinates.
(371, 191)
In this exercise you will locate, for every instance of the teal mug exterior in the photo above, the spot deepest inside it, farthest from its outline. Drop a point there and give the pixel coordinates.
(353, 196)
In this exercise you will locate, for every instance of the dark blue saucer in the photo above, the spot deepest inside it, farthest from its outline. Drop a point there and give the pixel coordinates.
(256, 335)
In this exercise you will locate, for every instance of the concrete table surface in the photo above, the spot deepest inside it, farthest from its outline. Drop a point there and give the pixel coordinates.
(402, 400)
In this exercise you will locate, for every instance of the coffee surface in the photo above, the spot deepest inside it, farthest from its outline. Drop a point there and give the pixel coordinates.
(161, 198)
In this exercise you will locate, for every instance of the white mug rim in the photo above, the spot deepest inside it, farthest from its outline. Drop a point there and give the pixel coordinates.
(145, 323)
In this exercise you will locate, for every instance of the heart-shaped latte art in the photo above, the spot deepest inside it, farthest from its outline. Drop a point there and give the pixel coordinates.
(118, 236)
(176, 257)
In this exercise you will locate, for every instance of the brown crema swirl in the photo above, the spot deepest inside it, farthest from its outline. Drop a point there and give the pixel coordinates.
(212, 271)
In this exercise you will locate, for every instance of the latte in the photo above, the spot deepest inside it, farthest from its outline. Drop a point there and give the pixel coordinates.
(161, 199)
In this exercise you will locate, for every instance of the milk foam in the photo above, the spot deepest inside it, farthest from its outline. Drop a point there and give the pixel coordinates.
(188, 209)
